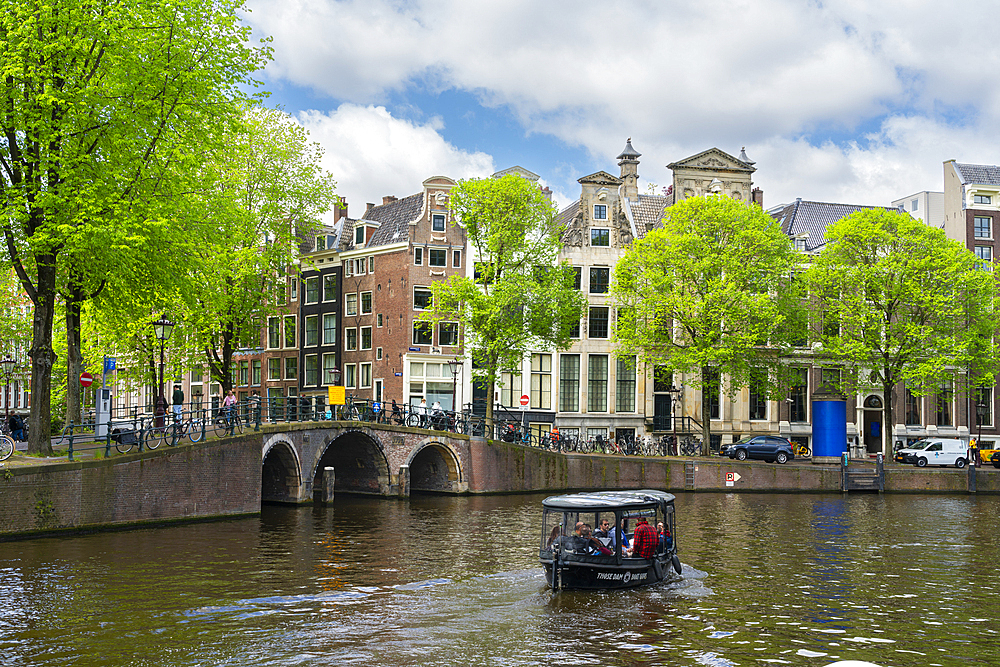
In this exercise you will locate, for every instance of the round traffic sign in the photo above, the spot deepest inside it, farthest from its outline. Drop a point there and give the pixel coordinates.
(525, 399)
(86, 378)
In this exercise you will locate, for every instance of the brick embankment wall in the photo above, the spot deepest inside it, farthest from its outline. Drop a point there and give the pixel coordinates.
(185, 482)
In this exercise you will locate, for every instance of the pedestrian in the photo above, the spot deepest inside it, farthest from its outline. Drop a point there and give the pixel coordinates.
(255, 408)
(178, 402)
(422, 412)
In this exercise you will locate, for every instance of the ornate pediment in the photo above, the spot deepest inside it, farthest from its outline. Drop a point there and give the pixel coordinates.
(600, 178)
(712, 160)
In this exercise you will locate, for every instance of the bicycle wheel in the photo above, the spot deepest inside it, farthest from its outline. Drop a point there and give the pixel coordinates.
(153, 436)
(6, 447)
(237, 425)
(194, 432)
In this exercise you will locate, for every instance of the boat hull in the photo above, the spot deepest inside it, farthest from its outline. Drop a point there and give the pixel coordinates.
(577, 575)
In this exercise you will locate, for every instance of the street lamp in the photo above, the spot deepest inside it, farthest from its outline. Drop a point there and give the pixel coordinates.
(7, 367)
(162, 329)
(455, 365)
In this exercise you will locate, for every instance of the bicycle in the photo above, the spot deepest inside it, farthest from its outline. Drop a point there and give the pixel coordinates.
(6, 446)
(690, 446)
(801, 451)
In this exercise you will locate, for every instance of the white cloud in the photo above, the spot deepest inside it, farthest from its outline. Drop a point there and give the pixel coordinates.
(372, 154)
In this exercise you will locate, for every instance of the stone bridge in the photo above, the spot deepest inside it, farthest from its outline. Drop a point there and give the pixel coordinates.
(312, 461)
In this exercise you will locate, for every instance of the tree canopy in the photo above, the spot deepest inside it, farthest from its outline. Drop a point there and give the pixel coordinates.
(710, 294)
(903, 306)
(520, 298)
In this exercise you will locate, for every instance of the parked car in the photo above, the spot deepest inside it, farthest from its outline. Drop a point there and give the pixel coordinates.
(995, 459)
(936, 452)
(762, 448)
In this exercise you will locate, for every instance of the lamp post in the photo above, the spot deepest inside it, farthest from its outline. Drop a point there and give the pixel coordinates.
(7, 367)
(980, 413)
(162, 329)
(455, 365)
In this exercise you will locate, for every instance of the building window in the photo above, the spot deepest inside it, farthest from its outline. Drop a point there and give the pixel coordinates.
(244, 373)
(418, 256)
(371, 264)
(625, 385)
(330, 287)
(351, 339)
(274, 368)
(421, 298)
(598, 323)
(350, 376)
(359, 236)
(329, 366)
(911, 408)
(423, 333)
(800, 245)
(378, 354)
(600, 237)
(366, 375)
(329, 329)
(985, 255)
(913, 205)
(456, 259)
(599, 277)
(448, 333)
(290, 340)
(351, 304)
(378, 320)
(569, 383)
(797, 396)
(597, 383)
(829, 379)
(255, 371)
(541, 381)
(291, 368)
(293, 289)
(273, 332)
(983, 227)
(437, 222)
(577, 277)
(349, 268)
(366, 303)
(437, 257)
(713, 385)
(600, 212)
(312, 369)
(321, 242)
(312, 330)
(510, 391)
(984, 396)
(944, 400)
(574, 331)
(758, 402)
(982, 199)
(312, 289)
(366, 338)
(359, 266)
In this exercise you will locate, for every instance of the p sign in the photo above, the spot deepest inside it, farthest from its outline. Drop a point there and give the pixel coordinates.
(732, 478)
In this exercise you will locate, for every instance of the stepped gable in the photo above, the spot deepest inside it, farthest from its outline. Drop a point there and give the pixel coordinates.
(982, 174)
(813, 217)
(394, 218)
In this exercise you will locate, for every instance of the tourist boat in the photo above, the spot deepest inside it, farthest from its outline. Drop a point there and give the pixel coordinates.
(573, 562)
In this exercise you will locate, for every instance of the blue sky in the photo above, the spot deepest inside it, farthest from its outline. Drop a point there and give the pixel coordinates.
(845, 101)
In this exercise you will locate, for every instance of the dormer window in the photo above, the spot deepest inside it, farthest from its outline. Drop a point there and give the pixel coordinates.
(320, 243)
(600, 212)
(437, 222)
(982, 199)
(359, 236)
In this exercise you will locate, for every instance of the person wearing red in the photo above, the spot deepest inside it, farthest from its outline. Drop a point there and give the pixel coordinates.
(645, 540)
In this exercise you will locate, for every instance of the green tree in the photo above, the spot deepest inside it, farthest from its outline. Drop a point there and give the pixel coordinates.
(903, 305)
(709, 294)
(520, 298)
(101, 106)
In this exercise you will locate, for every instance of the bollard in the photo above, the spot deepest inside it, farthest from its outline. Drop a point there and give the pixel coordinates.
(329, 477)
(971, 484)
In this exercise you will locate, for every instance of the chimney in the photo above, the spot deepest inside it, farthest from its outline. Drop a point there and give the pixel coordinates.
(547, 192)
(388, 199)
(369, 207)
(757, 197)
(340, 210)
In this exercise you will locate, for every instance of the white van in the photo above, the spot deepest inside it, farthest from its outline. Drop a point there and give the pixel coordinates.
(935, 452)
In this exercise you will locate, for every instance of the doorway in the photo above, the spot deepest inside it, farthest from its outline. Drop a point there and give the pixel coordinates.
(873, 424)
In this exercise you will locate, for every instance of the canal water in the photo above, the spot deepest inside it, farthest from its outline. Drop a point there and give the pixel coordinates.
(768, 580)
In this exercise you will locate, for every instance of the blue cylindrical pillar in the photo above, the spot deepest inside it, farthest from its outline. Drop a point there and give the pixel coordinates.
(829, 427)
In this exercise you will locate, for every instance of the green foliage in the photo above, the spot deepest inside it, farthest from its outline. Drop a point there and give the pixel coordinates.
(711, 289)
(911, 304)
(520, 299)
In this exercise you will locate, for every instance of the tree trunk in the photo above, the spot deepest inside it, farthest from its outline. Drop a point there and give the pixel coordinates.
(489, 408)
(887, 389)
(74, 357)
(706, 412)
(43, 357)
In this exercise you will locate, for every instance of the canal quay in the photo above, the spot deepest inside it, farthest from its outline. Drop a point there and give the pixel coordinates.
(768, 579)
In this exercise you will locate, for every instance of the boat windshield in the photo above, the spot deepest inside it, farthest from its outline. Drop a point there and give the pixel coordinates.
(565, 529)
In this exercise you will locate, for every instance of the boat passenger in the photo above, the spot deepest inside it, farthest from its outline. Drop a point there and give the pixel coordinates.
(621, 534)
(666, 539)
(645, 541)
(554, 536)
(603, 530)
(594, 546)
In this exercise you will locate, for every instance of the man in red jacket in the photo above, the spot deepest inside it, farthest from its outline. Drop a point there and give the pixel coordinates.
(644, 540)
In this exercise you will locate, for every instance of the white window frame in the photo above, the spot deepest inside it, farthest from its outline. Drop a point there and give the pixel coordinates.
(305, 370)
(348, 298)
(418, 256)
(603, 209)
(350, 376)
(434, 222)
(305, 331)
(371, 264)
(365, 375)
(423, 289)
(371, 302)
(456, 259)
(333, 338)
(284, 331)
(600, 229)
(348, 346)
(361, 338)
(441, 338)
(378, 354)
(328, 379)
(359, 236)
(430, 254)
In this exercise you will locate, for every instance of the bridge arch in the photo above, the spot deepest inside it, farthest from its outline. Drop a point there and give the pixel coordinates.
(281, 479)
(359, 462)
(434, 467)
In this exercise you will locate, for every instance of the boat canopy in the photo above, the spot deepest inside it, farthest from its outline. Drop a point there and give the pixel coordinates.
(607, 500)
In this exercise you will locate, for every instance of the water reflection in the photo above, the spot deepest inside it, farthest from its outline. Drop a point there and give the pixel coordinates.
(772, 579)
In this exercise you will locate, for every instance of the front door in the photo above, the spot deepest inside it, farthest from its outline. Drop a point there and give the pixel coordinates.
(661, 412)
(873, 424)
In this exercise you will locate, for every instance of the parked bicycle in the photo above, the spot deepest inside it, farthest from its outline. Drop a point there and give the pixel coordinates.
(801, 451)
(689, 446)
(6, 447)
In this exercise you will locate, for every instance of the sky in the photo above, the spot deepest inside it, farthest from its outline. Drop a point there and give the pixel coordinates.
(848, 101)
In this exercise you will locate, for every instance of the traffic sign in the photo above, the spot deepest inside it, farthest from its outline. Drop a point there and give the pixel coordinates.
(525, 399)
(86, 379)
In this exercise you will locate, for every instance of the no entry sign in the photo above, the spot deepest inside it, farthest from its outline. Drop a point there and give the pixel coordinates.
(86, 379)
(524, 400)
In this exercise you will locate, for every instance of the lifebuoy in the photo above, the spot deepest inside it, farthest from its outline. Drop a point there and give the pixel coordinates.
(676, 563)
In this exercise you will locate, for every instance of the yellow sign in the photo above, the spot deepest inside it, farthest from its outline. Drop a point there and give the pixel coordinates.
(335, 396)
